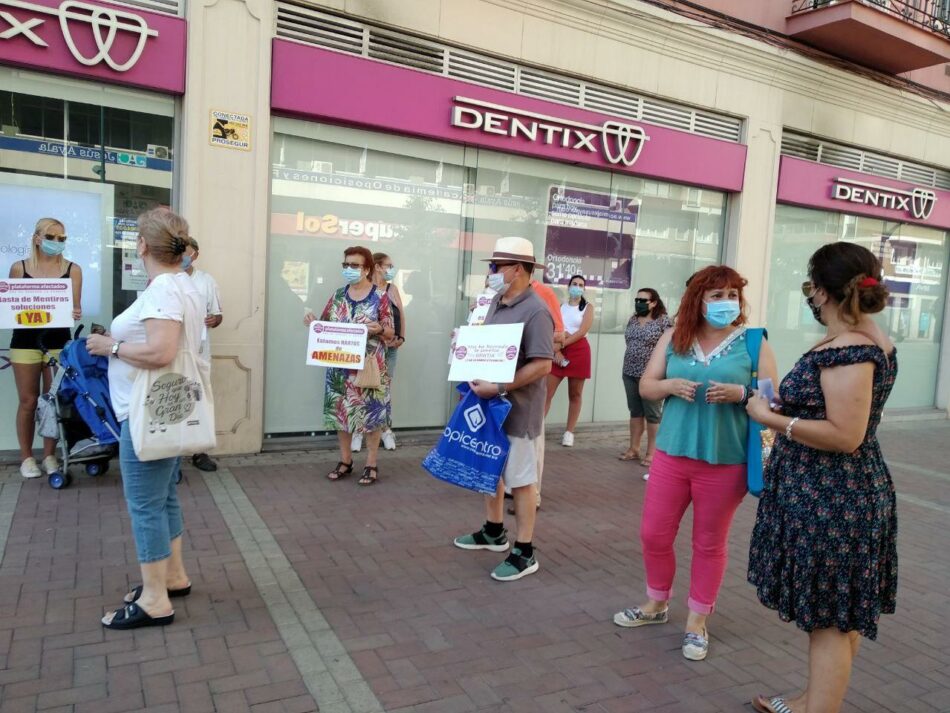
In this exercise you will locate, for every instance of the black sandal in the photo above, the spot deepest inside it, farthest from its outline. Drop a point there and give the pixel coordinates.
(132, 616)
(339, 472)
(172, 593)
(370, 475)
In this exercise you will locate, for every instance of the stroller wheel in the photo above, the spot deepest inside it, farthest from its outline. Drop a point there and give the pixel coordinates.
(96, 468)
(58, 480)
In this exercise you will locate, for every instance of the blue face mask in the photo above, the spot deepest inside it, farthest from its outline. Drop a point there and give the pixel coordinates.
(186, 261)
(52, 247)
(352, 275)
(496, 282)
(390, 274)
(575, 291)
(722, 313)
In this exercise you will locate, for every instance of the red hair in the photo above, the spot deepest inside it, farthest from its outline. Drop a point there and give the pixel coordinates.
(690, 317)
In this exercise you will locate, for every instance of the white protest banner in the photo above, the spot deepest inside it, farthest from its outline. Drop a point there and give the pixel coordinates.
(480, 311)
(336, 344)
(487, 352)
(31, 304)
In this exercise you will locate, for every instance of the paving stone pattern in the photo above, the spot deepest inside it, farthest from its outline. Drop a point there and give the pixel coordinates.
(309, 592)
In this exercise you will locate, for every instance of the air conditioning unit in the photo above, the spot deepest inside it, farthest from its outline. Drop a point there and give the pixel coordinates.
(321, 166)
(156, 151)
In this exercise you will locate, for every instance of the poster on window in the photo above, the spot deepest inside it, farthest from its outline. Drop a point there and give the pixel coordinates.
(134, 277)
(590, 234)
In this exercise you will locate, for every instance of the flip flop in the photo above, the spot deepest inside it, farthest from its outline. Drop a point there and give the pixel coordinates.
(626, 455)
(775, 704)
(132, 616)
(646, 461)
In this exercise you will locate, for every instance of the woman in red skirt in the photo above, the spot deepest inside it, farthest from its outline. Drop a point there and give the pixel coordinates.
(578, 316)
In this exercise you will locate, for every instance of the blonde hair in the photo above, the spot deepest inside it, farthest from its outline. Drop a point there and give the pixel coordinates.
(42, 225)
(165, 233)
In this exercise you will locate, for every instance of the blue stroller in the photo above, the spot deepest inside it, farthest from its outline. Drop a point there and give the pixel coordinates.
(78, 412)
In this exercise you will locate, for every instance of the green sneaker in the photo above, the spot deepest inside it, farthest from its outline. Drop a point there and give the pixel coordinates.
(515, 567)
(481, 541)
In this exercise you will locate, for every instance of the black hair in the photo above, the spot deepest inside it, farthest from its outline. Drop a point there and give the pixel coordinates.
(851, 275)
(583, 304)
(660, 308)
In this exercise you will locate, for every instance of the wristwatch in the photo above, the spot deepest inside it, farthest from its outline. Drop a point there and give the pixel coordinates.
(502, 391)
(115, 348)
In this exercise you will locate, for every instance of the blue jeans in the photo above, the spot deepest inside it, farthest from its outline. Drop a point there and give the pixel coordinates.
(151, 494)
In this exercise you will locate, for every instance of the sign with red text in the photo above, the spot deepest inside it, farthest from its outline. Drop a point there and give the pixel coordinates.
(35, 304)
(486, 352)
(336, 345)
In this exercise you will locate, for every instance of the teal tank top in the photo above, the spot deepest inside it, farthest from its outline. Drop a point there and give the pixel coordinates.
(714, 433)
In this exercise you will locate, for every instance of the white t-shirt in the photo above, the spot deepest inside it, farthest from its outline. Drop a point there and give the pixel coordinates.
(160, 300)
(212, 299)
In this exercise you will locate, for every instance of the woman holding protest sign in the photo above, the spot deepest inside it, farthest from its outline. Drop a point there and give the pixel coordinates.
(31, 349)
(357, 401)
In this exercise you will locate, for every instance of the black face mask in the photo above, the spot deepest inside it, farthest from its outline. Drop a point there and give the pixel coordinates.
(642, 309)
(815, 310)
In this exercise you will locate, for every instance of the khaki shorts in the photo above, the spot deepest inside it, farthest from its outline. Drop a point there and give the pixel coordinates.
(32, 356)
(521, 469)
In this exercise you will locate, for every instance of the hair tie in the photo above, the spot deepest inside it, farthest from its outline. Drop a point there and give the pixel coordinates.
(868, 282)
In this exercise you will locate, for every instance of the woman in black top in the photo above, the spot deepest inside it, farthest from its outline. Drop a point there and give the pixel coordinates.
(30, 365)
(383, 275)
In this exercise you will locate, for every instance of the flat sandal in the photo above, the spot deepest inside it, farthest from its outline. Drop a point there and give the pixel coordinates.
(339, 473)
(370, 475)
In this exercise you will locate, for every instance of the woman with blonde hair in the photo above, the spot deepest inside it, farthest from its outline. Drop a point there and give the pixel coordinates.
(169, 314)
(29, 347)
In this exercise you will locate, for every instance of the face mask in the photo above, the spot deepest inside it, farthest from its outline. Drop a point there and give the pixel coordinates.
(52, 247)
(186, 261)
(815, 309)
(390, 274)
(575, 291)
(352, 275)
(722, 313)
(496, 282)
(641, 308)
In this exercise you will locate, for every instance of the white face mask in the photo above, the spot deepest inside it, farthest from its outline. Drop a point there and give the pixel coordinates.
(496, 282)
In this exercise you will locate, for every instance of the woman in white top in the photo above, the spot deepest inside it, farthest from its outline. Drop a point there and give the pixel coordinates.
(147, 335)
(578, 316)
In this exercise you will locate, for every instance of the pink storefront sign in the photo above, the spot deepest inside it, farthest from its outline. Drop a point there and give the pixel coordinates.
(95, 40)
(314, 83)
(815, 185)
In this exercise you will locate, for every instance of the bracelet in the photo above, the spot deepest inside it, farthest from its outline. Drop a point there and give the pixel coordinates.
(788, 428)
(744, 399)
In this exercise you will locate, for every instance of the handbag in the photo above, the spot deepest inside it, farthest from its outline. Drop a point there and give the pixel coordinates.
(473, 448)
(171, 409)
(759, 438)
(369, 377)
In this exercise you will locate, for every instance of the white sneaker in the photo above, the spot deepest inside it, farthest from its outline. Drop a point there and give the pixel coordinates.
(567, 439)
(50, 464)
(646, 476)
(389, 440)
(29, 469)
(357, 443)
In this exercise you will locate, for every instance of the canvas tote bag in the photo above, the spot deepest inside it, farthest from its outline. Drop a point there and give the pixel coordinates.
(171, 410)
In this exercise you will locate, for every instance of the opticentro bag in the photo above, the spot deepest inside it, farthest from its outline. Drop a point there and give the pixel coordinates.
(171, 410)
(474, 448)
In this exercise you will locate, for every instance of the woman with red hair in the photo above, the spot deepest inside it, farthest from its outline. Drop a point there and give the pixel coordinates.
(702, 369)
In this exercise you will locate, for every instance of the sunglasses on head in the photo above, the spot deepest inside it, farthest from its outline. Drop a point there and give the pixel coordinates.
(494, 267)
(57, 238)
(354, 265)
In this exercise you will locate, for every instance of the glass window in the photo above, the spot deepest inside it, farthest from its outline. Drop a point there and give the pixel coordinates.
(437, 211)
(915, 268)
(53, 164)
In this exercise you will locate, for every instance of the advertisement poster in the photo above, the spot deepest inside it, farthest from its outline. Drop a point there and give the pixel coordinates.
(336, 345)
(134, 277)
(589, 234)
(487, 352)
(34, 304)
(230, 130)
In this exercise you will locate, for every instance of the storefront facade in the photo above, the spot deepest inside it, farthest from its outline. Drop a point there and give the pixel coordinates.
(427, 130)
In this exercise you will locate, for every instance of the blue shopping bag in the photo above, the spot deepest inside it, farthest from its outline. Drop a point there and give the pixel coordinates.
(473, 448)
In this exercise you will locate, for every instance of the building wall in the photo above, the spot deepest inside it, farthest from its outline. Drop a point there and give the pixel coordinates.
(624, 43)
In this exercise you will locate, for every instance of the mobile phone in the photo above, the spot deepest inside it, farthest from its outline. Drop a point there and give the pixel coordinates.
(767, 389)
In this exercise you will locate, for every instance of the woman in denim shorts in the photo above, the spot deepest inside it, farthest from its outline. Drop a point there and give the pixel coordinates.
(147, 336)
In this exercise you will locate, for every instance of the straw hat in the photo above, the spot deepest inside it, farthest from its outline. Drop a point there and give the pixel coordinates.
(513, 249)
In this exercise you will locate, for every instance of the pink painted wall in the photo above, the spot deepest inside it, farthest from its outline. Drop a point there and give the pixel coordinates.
(319, 84)
(810, 184)
(160, 66)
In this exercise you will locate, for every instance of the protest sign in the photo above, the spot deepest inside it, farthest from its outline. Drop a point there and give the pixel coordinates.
(336, 344)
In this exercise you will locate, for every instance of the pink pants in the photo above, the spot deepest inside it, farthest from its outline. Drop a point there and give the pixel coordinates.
(716, 492)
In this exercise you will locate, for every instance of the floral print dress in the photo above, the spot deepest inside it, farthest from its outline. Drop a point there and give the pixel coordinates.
(823, 550)
(347, 407)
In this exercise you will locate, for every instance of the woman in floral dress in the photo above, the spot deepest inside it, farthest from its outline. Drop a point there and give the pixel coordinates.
(348, 408)
(823, 551)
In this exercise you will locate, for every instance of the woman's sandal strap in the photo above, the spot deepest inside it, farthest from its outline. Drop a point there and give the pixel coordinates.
(370, 475)
(338, 472)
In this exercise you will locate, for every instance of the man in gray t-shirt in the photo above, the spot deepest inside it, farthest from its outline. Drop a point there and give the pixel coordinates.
(510, 269)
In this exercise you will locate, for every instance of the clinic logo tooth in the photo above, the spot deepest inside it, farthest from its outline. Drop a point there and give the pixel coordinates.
(919, 202)
(622, 143)
(105, 24)
(922, 202)
(474, 418)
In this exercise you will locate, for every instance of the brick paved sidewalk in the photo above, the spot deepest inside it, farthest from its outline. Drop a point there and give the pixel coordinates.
(310, 592)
